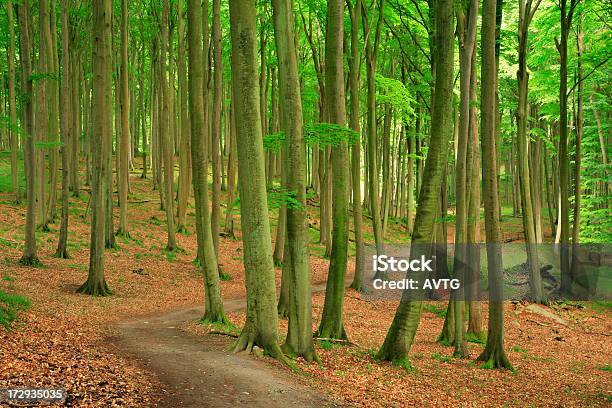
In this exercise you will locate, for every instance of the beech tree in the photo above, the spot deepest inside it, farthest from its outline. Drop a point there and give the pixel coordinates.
(101, 145)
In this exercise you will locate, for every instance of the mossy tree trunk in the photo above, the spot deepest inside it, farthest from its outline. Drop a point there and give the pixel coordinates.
(494, 354)
(206, 253)
(371, 51)
(401, 334)
(331, 325)
(185, 140)
(567, 14)
(526, 13)
(101, 145)
(355, 13)
(165, 136)
(216, 124)
(66, 130)
(262, 320)
(29, 256)
(12, 107)
(299, 335)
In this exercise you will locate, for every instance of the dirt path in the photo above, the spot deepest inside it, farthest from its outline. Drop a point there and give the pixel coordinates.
(198, 371)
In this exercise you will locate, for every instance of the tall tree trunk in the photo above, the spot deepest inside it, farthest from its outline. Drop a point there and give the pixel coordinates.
(124, 145)
(494, 354)
(466, 22)
(231, 176)
(371, 52)
(575, 266)
(262, 320)
(165, 136)
(355, 13)
(66, 129)
(29, 256)
(401, 334)
(53, 125)
(331, 325)
(474, 330)
(564, 162)
(299, 334)
(101, 144)
(185, 144)
(216, 125)
(535, 280)
(206, 252)
(12, 106)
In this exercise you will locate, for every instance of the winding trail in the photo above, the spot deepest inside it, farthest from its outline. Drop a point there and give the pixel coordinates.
(199, 371)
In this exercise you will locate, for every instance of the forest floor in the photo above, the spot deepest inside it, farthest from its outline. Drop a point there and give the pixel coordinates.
(101, 349)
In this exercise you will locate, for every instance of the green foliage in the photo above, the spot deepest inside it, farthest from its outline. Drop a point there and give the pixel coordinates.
(395, 93)
(274, 141)
(10, 305)
(438, 311)
(329, 134)
(441, 358)
(605, 367)
(277, 197)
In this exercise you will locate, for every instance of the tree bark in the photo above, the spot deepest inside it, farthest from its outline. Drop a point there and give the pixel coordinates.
(165, 137)
(124, 145)
(494, 354)
(185, 144)
(29, 256)
(566, 23)
(101, 145)
(355, 13)
(216, 125)
(262, 320)
(401, 334)
(299, 334)
(66, 130)
(12, 107)
(206, 253)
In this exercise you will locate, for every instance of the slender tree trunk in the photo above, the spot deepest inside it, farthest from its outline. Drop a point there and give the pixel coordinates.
(185, 144)
(577, 160)
(29, 256)
(12, 106)
(216, 124)
(371, 52)
(355, 13)
(165, 137)
(564, 162)
(66, 129)
(401, 334)
(466, 19)
(231, 176)
(262, 320)
(331, 325)
(124, 145)
(535, 279)
(53, 125)
(474, 330)
(101, 144)
(299, 334)
(494, 354)
(206, 253)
